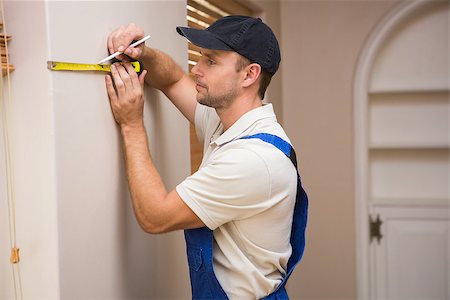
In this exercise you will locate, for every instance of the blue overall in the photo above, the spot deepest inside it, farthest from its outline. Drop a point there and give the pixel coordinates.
(199, 241)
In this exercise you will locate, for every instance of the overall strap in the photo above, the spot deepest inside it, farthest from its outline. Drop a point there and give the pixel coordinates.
(278, 142)
(300, 213)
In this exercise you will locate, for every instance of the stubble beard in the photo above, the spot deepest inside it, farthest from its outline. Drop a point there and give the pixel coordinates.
(217, 101)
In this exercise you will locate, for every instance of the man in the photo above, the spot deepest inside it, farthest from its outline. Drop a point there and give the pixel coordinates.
(245, 190)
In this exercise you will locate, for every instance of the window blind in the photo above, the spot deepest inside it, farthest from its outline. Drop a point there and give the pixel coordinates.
(4, 38)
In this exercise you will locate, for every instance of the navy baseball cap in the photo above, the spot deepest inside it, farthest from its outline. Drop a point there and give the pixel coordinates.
(248, 36)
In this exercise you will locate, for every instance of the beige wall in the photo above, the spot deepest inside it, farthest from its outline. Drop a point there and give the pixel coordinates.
(30, 113)
(91, 177)
(75, 226)
(271, 15)
(320, 42)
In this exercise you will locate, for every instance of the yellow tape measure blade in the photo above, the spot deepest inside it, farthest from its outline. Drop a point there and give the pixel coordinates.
(67, 66)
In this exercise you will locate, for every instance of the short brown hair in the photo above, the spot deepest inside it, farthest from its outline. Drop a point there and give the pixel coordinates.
(264, 78)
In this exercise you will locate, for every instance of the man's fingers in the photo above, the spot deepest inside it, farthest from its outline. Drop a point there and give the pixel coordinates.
(137, 82)
(124, 76)
(110, 89)
(118, 82)
(121, 38)
(142, 77)
(126, 82)
(136, 52)
(132, 73)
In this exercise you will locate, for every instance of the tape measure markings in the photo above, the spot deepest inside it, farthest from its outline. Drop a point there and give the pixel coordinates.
(68, 66)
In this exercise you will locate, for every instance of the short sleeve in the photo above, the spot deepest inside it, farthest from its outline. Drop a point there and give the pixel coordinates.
(234, 185)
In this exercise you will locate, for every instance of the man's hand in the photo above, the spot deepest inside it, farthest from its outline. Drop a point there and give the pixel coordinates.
(164, 73)
(122, 37)
(126, 94)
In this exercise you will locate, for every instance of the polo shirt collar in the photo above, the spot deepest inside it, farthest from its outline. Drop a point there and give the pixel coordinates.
(244, 123)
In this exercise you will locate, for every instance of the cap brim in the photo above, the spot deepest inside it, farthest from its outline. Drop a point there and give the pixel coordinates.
(203, 38)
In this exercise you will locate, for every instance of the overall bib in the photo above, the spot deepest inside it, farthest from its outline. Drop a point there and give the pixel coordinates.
(199, 241)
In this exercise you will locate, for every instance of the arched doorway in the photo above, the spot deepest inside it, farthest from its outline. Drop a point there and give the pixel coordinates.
(401, 96)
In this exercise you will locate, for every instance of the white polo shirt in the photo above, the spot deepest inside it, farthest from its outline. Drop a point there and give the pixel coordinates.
(245, 192)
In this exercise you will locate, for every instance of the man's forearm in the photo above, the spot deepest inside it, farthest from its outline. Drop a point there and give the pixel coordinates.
(163, 71)
(145, 184)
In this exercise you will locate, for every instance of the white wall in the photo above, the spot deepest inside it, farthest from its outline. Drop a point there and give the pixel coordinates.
(75, 222)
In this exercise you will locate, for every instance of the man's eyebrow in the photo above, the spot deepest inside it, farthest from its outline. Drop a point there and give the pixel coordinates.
(209, 54)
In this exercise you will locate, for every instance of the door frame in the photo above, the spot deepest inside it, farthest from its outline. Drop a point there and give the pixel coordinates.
(375, 41)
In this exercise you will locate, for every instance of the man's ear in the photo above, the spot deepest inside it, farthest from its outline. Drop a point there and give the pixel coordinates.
(252, 73)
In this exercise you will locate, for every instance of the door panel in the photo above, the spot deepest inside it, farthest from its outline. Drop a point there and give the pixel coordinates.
(412, 258)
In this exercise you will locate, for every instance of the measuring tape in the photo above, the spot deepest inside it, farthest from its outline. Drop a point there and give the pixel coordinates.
(67, 66)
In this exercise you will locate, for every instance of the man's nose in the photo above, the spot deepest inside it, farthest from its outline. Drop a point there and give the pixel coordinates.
(195, 70)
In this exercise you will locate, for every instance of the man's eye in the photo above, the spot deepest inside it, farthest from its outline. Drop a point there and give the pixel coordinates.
(211, 62)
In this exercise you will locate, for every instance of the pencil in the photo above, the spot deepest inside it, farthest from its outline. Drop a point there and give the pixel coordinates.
(118, 52)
